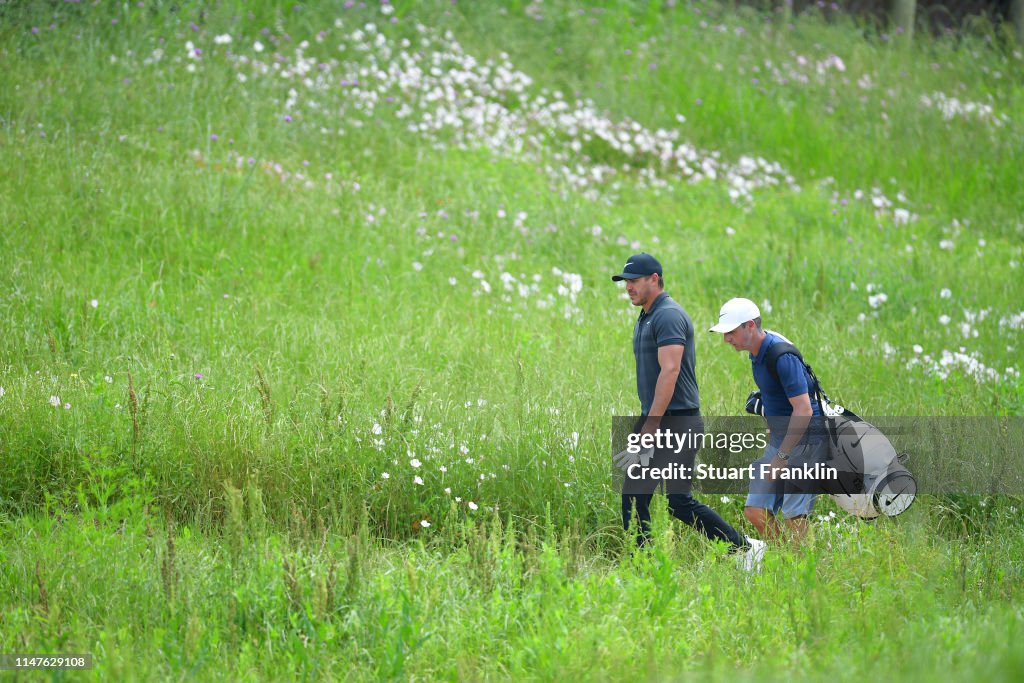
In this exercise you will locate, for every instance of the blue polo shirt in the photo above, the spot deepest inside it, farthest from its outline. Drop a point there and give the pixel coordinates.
(775, 393)
(666, 323)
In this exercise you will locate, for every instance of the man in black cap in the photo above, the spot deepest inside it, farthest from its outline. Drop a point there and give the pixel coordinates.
(667, 386)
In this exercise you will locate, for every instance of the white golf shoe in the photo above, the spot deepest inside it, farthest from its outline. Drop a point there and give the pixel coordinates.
(751, 558)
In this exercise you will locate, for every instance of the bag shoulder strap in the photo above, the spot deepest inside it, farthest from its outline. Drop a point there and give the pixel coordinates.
(781, 348)
(775, 351)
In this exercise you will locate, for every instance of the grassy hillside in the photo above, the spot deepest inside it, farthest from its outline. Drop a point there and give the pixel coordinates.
(310, 350)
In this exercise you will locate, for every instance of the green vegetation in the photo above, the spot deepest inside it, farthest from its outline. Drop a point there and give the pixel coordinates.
(270, 305)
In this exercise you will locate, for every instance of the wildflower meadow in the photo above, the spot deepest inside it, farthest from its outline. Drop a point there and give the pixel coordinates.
(310, 350)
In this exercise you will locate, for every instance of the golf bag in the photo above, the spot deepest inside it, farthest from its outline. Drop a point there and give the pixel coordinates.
(872, 478)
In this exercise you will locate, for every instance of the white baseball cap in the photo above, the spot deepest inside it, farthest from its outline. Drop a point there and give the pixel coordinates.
(734, 313)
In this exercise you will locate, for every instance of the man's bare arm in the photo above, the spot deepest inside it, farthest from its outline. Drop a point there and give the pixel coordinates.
(670, 360)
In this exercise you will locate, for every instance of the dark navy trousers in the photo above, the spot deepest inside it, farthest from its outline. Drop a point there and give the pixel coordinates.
(637, 495)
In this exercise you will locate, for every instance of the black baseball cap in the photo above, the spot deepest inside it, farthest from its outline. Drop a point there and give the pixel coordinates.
(638, 265)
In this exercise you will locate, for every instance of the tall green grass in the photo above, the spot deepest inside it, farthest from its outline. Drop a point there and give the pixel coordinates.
(213, 503)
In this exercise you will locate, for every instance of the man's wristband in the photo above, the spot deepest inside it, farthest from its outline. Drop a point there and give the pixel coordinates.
(782, 456)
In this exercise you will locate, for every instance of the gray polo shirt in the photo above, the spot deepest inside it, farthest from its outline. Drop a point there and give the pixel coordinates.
(665, 324)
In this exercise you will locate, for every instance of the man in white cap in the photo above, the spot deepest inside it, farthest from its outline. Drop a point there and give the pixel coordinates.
(786, 392)
(663, 345)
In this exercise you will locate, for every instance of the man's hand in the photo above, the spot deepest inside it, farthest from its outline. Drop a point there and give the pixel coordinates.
(777, 464)
(624, 459)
